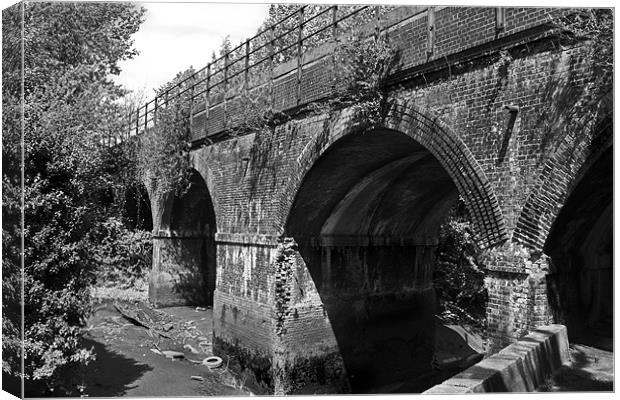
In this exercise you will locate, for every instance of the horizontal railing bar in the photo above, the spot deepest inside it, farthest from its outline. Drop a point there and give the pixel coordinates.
(222, 57)
(144, 114)
(306, 20)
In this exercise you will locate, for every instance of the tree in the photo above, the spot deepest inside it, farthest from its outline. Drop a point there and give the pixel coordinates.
(70, 107)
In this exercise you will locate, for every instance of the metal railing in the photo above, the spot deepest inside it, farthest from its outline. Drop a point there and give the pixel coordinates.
(278, 43)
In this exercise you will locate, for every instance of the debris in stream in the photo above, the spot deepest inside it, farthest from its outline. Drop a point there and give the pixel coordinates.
(191, 349)
(212, 362)
(135, 319)
(173, 354)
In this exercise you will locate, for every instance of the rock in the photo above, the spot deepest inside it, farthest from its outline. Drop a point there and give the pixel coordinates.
(197, 378)
(172, 354)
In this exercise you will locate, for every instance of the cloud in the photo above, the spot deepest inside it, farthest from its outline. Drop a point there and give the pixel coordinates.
(176, 36)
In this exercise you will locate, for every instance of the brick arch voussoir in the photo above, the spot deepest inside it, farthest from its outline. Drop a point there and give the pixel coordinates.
(439, 139)
(559, 176)
(454, 155)
(346, 124)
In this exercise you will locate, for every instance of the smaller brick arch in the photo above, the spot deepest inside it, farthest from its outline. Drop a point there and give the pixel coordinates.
(209, 178)
(435, 136)
(161, 203)
(559, 176)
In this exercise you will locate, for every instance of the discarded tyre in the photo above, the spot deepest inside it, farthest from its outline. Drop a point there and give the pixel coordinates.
(212, 362)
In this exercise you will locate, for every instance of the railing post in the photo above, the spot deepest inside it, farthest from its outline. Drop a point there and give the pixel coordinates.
(300, 52)
(192, 81)
(271, 55)
(146, 116)
(335, 39)
(226, 90)
(155, 112)
(137, 120)
(207, 99)
(377, 22)
(129, 125)
(335, 23)
(247, 62)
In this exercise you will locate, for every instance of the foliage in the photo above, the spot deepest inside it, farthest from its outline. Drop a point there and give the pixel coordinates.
(123, 256)
(595, 26)
(11, 192)
(162, 154)
(361, 69)
(312, 24)
(458, 277)
(361, 66)
(70, 50)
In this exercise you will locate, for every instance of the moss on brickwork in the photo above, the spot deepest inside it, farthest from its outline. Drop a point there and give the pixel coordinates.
(313, 375)
(254, 368)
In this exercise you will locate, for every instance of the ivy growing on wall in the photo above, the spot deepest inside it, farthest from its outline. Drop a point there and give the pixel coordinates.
(361, 68)
(459, 277)
(587, 104)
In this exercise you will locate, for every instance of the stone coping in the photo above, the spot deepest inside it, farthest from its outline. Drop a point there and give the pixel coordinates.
(521, 367)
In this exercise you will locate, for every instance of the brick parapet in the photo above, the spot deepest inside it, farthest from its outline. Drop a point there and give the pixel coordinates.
(456, 29)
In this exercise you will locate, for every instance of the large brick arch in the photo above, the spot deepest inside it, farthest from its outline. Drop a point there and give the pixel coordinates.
(558, 177)
(442, 143)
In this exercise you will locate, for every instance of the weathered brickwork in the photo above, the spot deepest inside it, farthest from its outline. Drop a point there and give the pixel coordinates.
(488, 105)
(517, 295)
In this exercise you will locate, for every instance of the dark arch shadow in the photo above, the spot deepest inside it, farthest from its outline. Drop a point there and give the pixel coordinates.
(366, 221)
(580, 244)
(137, 208)
(187, 254)
(440, 141)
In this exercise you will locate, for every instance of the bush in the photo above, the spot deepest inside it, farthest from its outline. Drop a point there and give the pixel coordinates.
(57, 60)
(123, 256)
(458, 277)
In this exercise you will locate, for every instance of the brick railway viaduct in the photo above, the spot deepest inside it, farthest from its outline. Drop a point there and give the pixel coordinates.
(315, 239)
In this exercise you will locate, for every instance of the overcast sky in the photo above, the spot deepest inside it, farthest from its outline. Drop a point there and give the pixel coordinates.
(175, 36)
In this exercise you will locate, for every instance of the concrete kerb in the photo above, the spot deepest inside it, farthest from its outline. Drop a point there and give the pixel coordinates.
(521, 367)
